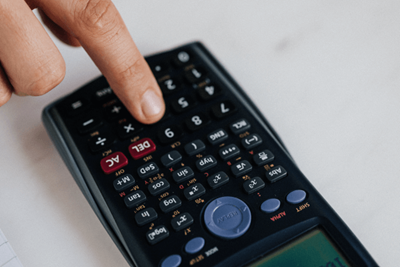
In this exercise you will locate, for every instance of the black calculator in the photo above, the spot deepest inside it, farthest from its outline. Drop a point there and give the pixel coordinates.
(210, 184)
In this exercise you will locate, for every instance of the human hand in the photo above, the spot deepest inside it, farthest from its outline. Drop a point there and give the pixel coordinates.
(30, 63)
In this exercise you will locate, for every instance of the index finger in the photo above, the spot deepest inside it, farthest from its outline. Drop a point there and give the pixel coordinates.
(100, 29)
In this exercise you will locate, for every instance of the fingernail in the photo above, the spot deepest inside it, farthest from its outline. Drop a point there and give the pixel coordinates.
(152, 104)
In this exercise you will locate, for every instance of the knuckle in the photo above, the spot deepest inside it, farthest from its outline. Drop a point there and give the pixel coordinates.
(45, 78)
(130, 73)
(97, 15)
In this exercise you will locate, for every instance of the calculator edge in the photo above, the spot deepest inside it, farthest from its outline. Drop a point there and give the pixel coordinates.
(64, 144)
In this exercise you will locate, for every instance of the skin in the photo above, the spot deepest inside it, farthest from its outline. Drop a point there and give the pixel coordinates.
(30, 63)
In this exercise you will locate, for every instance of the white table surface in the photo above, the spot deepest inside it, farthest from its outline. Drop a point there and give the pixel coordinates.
(325, 73)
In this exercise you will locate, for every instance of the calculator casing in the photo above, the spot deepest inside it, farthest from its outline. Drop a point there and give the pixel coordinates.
(264, 234)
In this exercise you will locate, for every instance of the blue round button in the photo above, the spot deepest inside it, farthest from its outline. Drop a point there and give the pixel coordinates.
(270, 205)
(296, 196)
(172, 261)
(227, 217)
(194, 245)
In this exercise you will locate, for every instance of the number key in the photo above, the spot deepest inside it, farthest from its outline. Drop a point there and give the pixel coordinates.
(169, 134)
(170, 86)
(183, 103)
(209, 92)
(197, 121)
(223, 109)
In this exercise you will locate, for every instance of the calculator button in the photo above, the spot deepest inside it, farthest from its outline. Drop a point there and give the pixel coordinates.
(128, 129)
(229, 151)
(182, 174)
(104, 94)
(197, 121)
(263, 157)
(194, 191)
(275, 174)
(89, 123)
(240, 168)
(270, 205)
(195, 74)
(227, 217)
(217, 136)
(101, 142)
(206, 163)
(124, 182)
(172, 261)
(182, 58)
(157, 234)
(147, 170)
(170, 85)
(218, 179)
(239, 126)
(145, 216)
(296, 196)
(194, 245)
(158, 187)
(160, 68)
(115, 111)
(74, 107)
(181, 221)
(170, 203)
(194, 147)
(209, 91)
(135, 198)
(169, 134)
(253, 185)
(171, 158)
(142, 148)
(183, 104)
(223, 109)
(251, 141)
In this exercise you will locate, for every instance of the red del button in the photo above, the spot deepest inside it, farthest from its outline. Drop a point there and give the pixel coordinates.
(141, 148)
(113, 162)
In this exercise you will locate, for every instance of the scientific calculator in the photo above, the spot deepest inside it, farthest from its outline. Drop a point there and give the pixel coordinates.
(210, 184)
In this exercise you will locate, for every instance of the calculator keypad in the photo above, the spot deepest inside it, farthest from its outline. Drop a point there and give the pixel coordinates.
(181, 170)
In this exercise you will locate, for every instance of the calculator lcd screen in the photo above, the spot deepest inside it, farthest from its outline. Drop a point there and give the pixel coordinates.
(314, 249)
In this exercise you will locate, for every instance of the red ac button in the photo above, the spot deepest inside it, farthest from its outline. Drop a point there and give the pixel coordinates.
(113, 162)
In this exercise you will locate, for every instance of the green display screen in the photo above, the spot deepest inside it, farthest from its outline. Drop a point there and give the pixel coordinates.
(314, 249)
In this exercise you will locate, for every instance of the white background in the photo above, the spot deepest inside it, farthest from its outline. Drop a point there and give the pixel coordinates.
(325, 73)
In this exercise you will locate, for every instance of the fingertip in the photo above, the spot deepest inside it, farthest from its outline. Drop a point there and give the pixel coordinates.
(147, 108)
(5, 95)
(153, 107)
